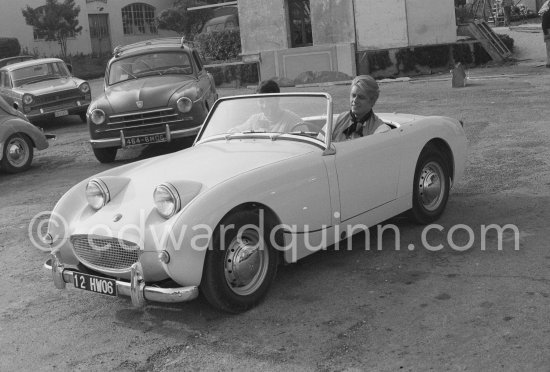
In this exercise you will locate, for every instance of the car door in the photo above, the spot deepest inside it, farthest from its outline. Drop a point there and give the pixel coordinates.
(368, 172)
(206, 83)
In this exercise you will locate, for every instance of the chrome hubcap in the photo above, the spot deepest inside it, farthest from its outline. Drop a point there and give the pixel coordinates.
(431, 186)
(246, 263)
(17, 152)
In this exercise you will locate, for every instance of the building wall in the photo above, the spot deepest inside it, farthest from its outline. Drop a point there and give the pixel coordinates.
(13, 25)
(332, 21)
(381, 24)
(263, 25)
(431, 22)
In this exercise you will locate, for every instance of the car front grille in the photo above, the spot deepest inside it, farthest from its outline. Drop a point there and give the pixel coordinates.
(145, 118)
(104, 252)
(57, 99)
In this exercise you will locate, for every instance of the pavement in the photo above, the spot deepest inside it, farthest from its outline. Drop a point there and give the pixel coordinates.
(529, 47)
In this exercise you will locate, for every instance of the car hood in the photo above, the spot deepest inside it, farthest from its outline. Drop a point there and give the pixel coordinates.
(48, 86)
(211, 163)
(152, 92)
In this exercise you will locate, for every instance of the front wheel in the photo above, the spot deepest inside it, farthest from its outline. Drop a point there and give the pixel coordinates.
(18, 153)
(241, 265)
(105, 155)
(431, 186)
(83, 117)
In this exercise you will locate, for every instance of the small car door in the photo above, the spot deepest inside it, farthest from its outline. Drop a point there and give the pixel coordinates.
(368, 172)
(206, 84)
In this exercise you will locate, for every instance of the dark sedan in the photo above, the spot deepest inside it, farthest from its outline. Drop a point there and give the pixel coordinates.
(155, 91)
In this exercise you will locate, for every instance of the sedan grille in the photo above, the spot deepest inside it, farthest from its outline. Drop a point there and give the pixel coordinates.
(57, 98)
(152, 117)
(105, 253)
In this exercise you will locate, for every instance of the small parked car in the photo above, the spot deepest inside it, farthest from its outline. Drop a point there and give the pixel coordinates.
(220, 216)
(155, 91)
(44, 89)
(18, 139)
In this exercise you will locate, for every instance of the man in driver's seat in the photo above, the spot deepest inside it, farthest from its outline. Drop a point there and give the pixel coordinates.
(272, 117)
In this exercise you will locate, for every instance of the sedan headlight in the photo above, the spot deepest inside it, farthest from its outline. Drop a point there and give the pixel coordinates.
(184, 104)
(28, 99)
(84, 88)
(97, 116)
(167, 200)
(97, 194)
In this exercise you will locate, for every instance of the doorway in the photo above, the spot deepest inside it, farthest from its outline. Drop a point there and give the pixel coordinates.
(99, 34)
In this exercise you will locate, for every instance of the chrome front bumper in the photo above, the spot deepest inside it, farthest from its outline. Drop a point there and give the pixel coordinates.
(120, 140)
(136, 289)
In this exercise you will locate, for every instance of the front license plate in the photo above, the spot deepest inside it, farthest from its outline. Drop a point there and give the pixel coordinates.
(61, 113)
(140, 140)
(95, 284)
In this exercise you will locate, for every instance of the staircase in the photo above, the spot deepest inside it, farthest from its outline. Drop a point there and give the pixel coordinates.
(480, 30)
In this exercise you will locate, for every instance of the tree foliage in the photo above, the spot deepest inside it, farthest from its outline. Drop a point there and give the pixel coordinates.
(56, 21)
(181, 20)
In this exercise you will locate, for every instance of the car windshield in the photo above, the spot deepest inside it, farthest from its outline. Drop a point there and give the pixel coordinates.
(275, 115)
(150, 64)
(39, 72)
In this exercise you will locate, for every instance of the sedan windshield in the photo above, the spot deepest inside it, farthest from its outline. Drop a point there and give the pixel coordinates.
(150, 64)
(273, 114)
(39, 72)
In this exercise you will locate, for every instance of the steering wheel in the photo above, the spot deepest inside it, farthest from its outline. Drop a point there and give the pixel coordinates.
(310, 127)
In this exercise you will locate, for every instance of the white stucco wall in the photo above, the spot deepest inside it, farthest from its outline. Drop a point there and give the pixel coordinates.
(431, 22)
(12, 24)
(402, 23)
(381, 24)
(263, 25)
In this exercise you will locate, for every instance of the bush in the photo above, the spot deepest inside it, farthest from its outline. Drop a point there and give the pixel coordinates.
(507, 40)
(219, 45)
(9, 47)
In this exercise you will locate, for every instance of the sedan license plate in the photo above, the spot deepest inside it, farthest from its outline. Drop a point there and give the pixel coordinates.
(140, 140)
(61, 113)
(95, 284)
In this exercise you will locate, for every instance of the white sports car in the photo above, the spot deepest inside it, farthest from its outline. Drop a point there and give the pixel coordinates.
(220, 216)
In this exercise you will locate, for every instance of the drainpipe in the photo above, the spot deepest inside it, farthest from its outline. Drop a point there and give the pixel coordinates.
(355, 33)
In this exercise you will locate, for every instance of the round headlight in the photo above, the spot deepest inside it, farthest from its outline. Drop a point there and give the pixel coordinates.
(27, 99)
(167, 200)
(97, 116)
(97, 194)
(84, 87)
(184, 104)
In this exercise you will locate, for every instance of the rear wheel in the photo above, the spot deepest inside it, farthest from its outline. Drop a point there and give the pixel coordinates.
(18, 153)
(241, 265)
(431, 186)
(105, 155)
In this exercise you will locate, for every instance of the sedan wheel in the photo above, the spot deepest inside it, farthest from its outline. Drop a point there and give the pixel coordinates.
(242, 264)
(18, 153)
(430, 186)
(105, 155)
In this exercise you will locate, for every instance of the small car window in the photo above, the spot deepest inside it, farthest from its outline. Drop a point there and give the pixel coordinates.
(198, 60)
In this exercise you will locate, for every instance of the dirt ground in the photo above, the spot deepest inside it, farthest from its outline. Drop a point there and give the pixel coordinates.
(383, 310)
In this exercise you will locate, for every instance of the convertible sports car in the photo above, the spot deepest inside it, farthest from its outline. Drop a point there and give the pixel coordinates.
(18, 139)
(220, 216)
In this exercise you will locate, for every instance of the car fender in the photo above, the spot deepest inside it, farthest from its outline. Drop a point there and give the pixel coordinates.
(417, 134)
(16, 125)
(296, 192)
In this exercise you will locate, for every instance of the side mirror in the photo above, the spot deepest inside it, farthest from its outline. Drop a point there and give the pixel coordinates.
(15, 106)
(70, 67)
